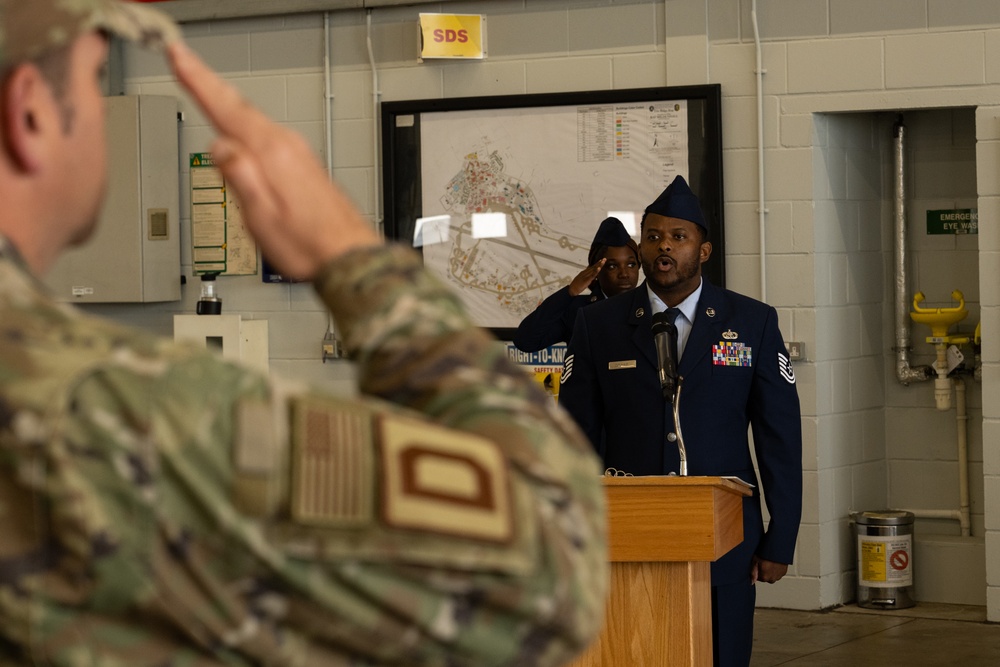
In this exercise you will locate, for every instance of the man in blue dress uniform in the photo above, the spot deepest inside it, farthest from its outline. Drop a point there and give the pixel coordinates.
(736, 377)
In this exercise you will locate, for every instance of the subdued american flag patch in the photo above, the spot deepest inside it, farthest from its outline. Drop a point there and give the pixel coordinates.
(785, 368)
(332, 464)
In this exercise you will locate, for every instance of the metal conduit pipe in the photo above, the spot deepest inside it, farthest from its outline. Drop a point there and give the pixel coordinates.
(332, 349)
(761, 208)
(904, 373)
(379, 223)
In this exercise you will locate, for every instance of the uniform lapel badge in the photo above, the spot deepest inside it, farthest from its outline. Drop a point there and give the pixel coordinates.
(730, 335)
(593, 298)
(639, 312)
(710, 311)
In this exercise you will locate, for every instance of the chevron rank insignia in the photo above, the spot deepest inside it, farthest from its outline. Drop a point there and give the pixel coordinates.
(567, 368)
(785, 368)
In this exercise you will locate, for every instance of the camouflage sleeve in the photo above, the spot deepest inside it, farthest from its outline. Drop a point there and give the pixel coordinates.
(176, 509)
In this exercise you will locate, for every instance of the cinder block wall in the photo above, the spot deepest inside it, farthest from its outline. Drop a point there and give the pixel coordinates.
(823, 58)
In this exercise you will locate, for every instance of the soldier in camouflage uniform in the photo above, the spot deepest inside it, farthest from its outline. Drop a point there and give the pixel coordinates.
(162, 507)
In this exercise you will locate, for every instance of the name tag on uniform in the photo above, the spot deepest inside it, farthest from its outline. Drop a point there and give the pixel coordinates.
(618, 365)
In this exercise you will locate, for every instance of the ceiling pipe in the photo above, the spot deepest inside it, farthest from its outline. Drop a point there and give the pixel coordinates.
(184, 11)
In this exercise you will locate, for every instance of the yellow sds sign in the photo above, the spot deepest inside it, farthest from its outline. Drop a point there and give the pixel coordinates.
(452, 36)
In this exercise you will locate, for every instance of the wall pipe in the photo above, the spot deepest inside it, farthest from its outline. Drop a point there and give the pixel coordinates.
(327, 95)
(961, 422)
(375, 124)
(904, 373)
(332, 349)
(962, 515)
(761, 209)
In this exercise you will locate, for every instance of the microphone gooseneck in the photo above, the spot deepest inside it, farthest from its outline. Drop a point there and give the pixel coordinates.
(665, 340)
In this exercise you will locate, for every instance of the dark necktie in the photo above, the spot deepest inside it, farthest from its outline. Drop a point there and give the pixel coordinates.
(672, 314)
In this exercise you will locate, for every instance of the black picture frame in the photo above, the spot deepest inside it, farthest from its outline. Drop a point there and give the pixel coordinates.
(401, 164)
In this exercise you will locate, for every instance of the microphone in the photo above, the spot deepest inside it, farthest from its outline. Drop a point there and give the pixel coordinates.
(665, 339)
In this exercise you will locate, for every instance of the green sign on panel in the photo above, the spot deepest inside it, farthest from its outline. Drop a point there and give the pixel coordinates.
(953, 221)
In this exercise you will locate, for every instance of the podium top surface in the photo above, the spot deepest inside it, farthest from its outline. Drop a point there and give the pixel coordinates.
(729, 483)
(673, 518)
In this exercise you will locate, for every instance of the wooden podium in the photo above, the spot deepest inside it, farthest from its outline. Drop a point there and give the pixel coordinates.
(663, 532)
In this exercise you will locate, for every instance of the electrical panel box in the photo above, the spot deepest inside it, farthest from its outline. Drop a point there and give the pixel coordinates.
(134, 254)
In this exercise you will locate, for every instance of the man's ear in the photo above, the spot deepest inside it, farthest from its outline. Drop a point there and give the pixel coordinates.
(23, 106)
(705, 251)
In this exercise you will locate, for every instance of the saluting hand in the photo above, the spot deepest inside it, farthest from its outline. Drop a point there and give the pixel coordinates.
(301, 219)
(585, 277)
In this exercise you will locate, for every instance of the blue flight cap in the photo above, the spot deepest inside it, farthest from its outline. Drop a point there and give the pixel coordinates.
(677, 201)
(612, 234)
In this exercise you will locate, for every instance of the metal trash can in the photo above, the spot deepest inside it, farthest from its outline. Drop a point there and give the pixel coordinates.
(885, 559)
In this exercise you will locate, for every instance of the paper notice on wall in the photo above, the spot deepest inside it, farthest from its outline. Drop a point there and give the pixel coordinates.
(220, 242)
(544, 365)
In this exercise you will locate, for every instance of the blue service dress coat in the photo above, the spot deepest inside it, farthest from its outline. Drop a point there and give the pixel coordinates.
(552, 321)
(736, 374)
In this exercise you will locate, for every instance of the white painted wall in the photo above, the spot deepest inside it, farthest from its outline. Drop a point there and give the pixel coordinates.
(829, 220)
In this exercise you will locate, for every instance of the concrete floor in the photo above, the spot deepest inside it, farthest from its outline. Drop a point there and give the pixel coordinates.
(849, 636)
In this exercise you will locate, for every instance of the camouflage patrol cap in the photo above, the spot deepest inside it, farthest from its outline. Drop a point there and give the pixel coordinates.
(29, 28)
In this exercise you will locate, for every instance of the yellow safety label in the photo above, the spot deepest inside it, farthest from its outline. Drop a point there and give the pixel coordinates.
(872, 561)
(884, 560)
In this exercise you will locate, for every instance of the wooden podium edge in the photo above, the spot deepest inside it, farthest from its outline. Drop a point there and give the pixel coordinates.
(673, 518)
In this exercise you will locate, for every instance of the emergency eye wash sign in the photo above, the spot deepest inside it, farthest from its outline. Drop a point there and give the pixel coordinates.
(953, 221)
(452, 36)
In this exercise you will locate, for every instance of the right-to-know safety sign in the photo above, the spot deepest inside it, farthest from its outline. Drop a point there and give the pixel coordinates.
(884, 561)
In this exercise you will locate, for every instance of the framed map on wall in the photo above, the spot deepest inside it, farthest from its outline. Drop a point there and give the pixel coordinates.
(503, 195)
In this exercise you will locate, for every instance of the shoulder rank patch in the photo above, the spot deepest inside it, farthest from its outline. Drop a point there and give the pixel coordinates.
(567, 371)
(438, 480)
(785, 368)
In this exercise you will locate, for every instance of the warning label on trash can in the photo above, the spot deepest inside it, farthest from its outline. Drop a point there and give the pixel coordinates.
(884, 562)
